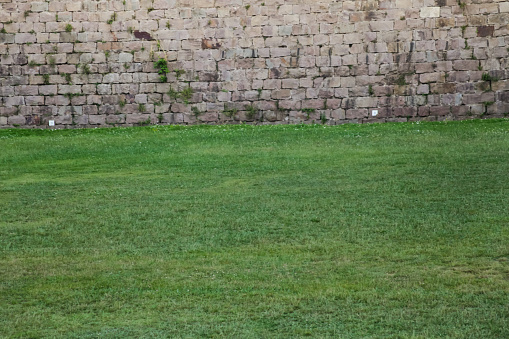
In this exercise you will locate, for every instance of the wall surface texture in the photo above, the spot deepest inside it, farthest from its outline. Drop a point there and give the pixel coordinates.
(86, 63)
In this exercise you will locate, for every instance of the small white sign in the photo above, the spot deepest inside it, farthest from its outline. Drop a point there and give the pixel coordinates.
(51, 122)
(374, 112)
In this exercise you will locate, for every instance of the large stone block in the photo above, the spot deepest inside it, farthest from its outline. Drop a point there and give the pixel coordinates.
(430, 12)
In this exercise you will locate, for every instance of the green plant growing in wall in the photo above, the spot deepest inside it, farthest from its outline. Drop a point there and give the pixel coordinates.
(141, 107)
(487, 77)
(195, 111)
(45, 79)
(3, 30)
(370, 90)
(186, 94)
(401, 81)
(122, 103)
(230, 112)
(85, 68)
(112, 19)
(68, 28)
(251, 111)
(308, 111)
(463, 29)
(173, 94)
(162, 66)
(72, 95)
(67, 77)
(178, 73)
(486, 105)
(323, 118)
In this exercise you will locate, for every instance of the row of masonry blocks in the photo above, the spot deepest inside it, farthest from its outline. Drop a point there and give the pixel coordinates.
(228, 27)
(304, 56)
(435, 94)
(42, 16)
(94, 115)
(462, 76)
(284, 7)
(268, 36)
(337, 50)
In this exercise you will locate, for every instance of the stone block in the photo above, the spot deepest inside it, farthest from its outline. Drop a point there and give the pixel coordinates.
(23, 38)
(364, 102)
(281, 94)
(16, 120)
(378, 26)
(439, 110)
(74, 6)
(430, 12)
(27, 90)
(14, 101)
(103, 89)
(39, 6)
(97, 119)
(356, 113)
(465, 65)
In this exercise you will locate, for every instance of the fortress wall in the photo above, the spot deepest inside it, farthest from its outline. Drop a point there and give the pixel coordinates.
(93, 62)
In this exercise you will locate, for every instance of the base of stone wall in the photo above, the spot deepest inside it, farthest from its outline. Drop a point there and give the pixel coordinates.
(193, 121)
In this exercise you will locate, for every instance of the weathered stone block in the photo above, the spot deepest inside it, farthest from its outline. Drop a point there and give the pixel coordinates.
(39, 6)
(356, 113)
(97, 119)
(16, 120)
(430, 12)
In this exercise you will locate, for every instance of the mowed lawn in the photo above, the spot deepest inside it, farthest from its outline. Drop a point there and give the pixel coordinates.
(357, 231)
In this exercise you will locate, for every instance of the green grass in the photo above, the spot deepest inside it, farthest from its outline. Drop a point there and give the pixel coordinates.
(394, 230)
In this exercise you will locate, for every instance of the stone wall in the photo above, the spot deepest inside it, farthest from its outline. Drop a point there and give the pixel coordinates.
(93, 62)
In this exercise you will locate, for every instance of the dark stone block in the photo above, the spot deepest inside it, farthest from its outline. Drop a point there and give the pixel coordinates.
(143, 35)
(484, 31)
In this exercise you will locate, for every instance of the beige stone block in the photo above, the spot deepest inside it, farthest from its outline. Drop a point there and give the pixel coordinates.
(39, 6)
(504, 7)
(74, 6)
(430, 12)
(23, 38)
(378, 26)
